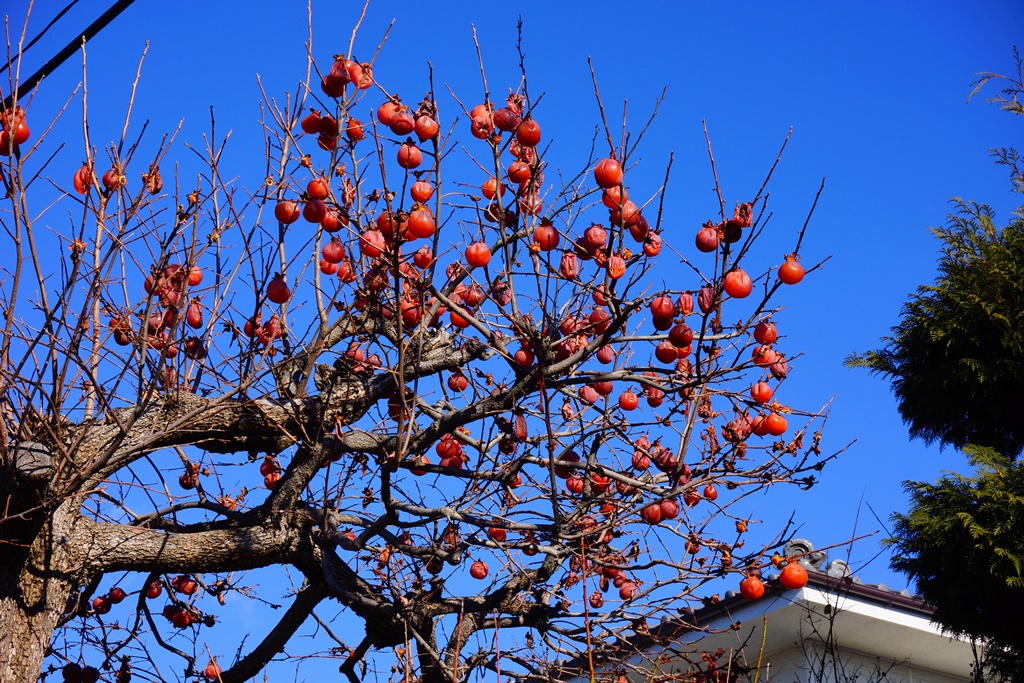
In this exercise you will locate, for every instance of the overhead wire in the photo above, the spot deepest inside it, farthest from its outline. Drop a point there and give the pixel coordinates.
(5, 67)
(74, 45)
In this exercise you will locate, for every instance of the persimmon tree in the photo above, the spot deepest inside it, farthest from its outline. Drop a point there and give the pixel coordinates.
(449, 406)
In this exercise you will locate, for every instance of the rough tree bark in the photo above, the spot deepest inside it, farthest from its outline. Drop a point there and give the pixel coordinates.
(35, 582)
(55, 551)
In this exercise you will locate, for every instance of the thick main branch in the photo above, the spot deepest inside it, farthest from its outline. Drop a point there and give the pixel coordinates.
(284, 539)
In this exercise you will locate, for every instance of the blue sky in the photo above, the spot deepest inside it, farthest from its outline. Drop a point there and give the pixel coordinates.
(875, 93)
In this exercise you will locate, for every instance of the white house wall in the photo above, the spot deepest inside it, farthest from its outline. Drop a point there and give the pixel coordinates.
(868, 637)
(795, 665)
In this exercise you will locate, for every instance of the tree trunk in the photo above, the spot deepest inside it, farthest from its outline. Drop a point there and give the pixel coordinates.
(34, 588)
(431, 670)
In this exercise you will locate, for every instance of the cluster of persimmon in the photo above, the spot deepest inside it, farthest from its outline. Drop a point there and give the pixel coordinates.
(450, 452)
(737, 284)
(792, 577)
(169, 310)
(488, 124)
(646, 454)
(608, 567)
(169, 286)
(594, 243)
(14, 130)
(380, 238)
(271, 470)
(111, 180)
(178, 613)
(343, 72)
(575, 331)
(319, 206)
(73, 672)
(611, 574)
(101, 604)
(181, 614)
(764, 355)
(391, 229)
(359, 361)
(448, 448)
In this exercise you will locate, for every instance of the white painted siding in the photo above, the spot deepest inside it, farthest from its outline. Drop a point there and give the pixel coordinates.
(792, 665)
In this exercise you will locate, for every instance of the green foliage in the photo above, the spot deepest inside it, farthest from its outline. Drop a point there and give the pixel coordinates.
(963, 544)
(1007, 99)
(956, 358)
(956, 365)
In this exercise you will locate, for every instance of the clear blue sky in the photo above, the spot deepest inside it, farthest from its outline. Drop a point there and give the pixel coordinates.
(875, 93)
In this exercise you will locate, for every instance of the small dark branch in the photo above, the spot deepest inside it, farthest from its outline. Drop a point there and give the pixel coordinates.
(810, 213)
(600, 106)
(250, 665)
(189, 659)
(714, 172)
(771, 170)
(664, 188)
(349, 667)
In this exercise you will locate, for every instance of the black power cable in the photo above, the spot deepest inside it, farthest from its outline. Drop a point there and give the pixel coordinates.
(69, 49)
(39, 35)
